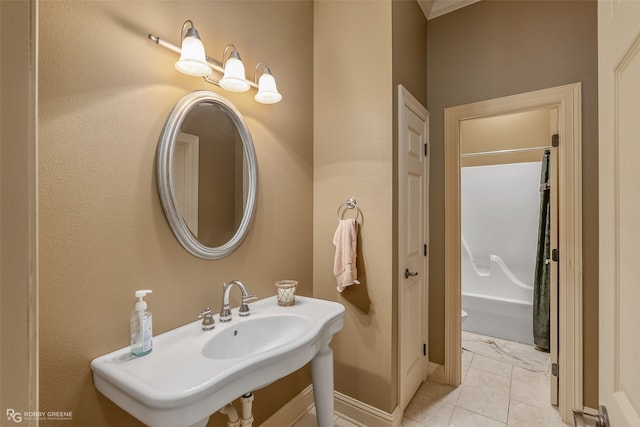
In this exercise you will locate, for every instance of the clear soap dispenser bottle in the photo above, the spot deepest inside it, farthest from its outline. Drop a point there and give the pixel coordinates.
(141, 327)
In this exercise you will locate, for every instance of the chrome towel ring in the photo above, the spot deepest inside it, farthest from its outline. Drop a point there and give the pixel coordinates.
(349, 204)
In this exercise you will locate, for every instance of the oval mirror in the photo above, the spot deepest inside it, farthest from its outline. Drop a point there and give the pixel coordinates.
(207, 174)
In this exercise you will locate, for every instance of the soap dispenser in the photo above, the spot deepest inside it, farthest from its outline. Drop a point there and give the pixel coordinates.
(141, 328)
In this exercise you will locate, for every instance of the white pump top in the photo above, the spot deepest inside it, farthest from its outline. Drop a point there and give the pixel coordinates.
(141, 305)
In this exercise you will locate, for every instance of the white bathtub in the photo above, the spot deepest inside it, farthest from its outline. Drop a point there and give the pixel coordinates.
(498, 317)
(497, 304)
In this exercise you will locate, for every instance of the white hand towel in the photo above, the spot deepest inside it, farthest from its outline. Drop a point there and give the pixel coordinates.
(346, 241)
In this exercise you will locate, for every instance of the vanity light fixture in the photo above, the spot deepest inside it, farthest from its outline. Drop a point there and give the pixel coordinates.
(234, 78)
(267, 91)
(192, 60)
(229, 73)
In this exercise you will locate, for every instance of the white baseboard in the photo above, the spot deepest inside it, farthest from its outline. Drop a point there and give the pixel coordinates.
(364, 415)
(345, 407)
(293, 410)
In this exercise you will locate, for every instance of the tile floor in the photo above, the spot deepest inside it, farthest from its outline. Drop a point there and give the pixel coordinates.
(493, 393)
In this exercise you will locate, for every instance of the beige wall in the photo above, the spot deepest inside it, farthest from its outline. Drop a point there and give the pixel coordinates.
(409, 51)
(352, 158)
(362, 50)
(492, 49)
(105, 92)
(515, 131)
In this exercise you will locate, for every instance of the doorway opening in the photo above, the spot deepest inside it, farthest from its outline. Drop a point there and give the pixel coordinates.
(565, 102)
(509, 226)
(502, 159)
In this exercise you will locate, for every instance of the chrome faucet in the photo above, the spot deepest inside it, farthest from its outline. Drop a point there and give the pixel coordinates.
(225, 312)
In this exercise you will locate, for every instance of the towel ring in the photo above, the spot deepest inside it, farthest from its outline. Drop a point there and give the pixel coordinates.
(349, 204)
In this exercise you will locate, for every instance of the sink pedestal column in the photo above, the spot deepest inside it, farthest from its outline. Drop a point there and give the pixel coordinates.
(322, 376)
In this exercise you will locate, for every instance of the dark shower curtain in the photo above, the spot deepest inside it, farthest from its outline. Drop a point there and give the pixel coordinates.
(542, 275)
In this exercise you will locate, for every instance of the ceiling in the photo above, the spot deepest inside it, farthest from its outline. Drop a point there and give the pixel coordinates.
(434, 8)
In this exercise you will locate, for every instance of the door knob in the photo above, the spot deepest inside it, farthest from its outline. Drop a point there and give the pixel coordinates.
(408, 273)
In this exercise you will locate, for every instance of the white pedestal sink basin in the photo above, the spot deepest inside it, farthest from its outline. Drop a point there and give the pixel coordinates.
(191, 373)
(255, 335)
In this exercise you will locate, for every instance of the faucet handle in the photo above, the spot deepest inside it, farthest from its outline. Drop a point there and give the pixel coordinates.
(244, 307)
(204, 312)
(208, 322)
(248, 298)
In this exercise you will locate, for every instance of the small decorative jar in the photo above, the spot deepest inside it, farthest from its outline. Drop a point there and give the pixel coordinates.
(286, 292)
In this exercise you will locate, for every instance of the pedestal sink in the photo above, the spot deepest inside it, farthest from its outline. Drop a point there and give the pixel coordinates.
(191, 373)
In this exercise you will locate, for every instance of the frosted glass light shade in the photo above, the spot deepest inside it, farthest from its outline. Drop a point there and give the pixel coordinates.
(234, 77)
(267, 90)
(192, 58)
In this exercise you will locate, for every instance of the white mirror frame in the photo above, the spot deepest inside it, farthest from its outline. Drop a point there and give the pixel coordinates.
(166, 187)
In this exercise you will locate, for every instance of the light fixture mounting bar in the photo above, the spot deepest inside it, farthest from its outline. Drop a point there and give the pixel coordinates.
(214, 63)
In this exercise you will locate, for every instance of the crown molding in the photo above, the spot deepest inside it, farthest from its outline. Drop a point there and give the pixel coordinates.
(434, 8)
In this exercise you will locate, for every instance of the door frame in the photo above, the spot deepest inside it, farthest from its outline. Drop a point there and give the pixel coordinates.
(405, 99)
(567, 100)
(19, 207)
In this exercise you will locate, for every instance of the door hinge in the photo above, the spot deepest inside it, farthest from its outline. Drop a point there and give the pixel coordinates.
(555, 140)
(424, 349)
(555, 370)
(426, 149)
(425, 250)
(555, 255)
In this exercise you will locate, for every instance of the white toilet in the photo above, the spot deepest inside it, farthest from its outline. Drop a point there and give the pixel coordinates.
(464, 316)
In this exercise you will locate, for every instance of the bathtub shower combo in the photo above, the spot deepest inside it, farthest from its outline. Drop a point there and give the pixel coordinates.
(500, 208)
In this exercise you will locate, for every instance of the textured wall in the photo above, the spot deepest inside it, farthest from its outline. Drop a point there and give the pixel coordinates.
(352, 158)
(362, 50)
(105, 92)
(492, 49)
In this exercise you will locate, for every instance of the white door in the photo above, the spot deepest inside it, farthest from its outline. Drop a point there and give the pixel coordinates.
(186, 158)
(619, 193)
(412, 243)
